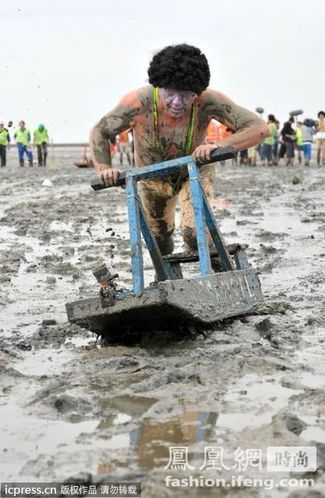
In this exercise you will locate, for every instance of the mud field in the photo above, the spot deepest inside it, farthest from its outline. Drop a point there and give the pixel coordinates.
(73, 409)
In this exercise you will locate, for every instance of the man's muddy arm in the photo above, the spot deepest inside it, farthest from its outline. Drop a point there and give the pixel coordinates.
(119, 119)
(248, 128)
(100, 147)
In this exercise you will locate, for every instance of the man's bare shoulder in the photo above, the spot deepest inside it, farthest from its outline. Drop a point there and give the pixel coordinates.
(145, 95)
(216, 105)
(141, 98)
(211, 96)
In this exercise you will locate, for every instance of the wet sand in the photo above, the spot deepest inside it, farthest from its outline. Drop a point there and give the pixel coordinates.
(71, 408)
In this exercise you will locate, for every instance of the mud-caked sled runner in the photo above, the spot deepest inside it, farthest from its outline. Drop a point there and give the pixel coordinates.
(172, 300)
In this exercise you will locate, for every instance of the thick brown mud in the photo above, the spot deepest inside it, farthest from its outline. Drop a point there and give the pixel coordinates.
(72, 408)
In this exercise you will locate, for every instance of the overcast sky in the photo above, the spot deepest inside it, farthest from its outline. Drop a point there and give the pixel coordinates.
(65, 63)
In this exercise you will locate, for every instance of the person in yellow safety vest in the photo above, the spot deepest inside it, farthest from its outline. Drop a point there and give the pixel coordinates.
(41, 139)
(23, 138)
(268, 143)
(4, 141)
(299, 142)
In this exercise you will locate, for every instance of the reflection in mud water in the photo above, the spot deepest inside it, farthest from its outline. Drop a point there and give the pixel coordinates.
(152, 440)
(149, 443)
(220, 203)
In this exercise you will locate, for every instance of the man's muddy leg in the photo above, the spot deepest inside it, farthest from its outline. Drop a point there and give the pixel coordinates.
(165, 243)
(159, 203)
(318, 152)
(44, 154)
(20, 154)
(187, 220)
(189, 238)
(39, 155)
(322, 155)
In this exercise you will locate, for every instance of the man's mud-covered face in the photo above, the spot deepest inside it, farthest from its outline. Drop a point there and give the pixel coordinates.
(178, 102)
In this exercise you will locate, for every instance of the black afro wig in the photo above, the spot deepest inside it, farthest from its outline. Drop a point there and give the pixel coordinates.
(180, 67)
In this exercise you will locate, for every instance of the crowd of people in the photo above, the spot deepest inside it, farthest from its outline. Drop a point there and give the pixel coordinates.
(294, 140)
(24, 141)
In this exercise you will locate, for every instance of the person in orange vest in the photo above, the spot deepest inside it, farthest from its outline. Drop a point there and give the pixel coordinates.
(123, 146)
(225, 132)
(212, 135)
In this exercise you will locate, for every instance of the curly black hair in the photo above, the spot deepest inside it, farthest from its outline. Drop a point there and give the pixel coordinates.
(180, 67)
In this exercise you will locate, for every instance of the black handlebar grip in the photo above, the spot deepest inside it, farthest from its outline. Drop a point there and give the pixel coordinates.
(222, 154)
(96, 185)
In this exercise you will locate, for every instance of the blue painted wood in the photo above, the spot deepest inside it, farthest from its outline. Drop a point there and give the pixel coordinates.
(200, 226)
(160, 169)
(202, 216)
(163, 269)
(135, 234)
(216, 234)
(174, 165)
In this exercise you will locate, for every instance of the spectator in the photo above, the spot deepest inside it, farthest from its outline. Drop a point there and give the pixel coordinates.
(41, 139)
(223, 133)
(212, 135)
(268, 144)
(252, 155)
(308, 131)
(243, 156)
(275, 151)
(23, 139)
(4, 142)
(299, 141)
(123, 146)
(321, 138)
(289, 138)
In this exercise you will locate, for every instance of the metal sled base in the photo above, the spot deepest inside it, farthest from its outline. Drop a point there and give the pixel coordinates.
(202, 300)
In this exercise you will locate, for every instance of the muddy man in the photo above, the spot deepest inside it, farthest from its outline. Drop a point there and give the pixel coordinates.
(169, 119)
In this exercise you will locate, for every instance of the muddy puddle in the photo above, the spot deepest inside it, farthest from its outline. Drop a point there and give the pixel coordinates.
(71, 408)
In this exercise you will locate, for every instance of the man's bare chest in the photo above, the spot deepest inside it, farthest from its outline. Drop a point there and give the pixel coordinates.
(167, 138)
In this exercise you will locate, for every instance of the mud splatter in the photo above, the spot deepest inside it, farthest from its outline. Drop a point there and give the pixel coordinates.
(70, 407)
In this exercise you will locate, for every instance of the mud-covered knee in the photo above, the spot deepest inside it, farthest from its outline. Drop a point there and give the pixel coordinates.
(189, 237)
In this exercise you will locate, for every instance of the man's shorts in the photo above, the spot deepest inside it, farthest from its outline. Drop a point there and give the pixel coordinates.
(320, 142)
(290, 149)
(266, 153)
(252, 152)
(159, 198)
(307, 147)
